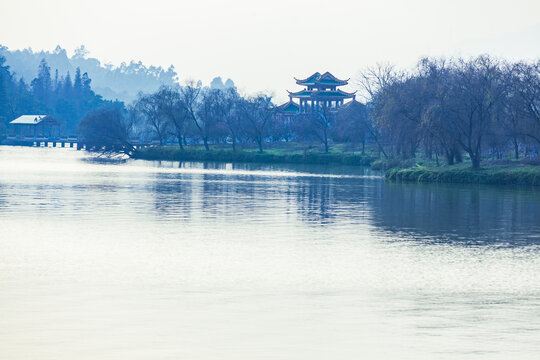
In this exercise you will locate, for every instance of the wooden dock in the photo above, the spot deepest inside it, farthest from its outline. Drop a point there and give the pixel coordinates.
(63, 142)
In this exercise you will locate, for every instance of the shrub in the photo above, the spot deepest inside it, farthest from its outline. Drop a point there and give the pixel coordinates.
(494, 174)
(312, 157)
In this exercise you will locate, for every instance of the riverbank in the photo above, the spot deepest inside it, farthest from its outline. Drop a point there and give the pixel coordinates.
(513, 173)
(274, 155)
(509, 174)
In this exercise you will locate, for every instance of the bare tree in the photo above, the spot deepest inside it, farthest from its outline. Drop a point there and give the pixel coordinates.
(190, 95)
(316, 124)
(148, 107)
(170, 106)
(230, 112)
(526, 87)
(209, 114)
(352, 124)
(373, 81)
(477, 93)
(438, 132)
(374, 78)
(257, 112)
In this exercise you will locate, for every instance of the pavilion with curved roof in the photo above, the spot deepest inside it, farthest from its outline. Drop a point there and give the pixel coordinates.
(320, 93)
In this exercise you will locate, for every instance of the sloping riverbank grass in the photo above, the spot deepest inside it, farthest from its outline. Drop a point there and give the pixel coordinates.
(414, 170)
(511, 174)
(273, 155)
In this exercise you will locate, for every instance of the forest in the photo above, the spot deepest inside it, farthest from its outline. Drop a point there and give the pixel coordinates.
(483, 108)
(192, 115)
(61, 96)
(446, 110)
(121, 82)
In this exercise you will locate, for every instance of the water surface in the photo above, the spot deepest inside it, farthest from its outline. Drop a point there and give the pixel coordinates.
(148, 260)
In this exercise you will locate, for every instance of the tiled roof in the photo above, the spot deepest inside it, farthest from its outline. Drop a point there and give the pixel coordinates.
(325, 79)
(290, 106)
(28, 119)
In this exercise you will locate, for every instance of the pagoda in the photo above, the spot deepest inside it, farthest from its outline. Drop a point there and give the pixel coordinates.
(321, 93)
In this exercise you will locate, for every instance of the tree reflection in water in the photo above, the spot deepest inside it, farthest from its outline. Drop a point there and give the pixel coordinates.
(460, 214)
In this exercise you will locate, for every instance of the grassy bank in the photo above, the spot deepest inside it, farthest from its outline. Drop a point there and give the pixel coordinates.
(414, 170)
(275, 155)
(512, 174)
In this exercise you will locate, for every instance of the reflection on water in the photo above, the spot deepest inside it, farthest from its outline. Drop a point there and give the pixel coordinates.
(461, 213)
(162, 260)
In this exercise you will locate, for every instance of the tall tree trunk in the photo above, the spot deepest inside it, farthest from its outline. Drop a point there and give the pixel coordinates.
(206, 147)
(475, 161)
(457, 155)
(180, 140)
(449, 157)
(379, 145)
(325, 140)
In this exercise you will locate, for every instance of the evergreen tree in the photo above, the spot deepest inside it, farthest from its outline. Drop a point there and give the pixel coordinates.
(68, 102)
(86, 83)
(77, 83)
(68, 85)
(42, 85)
(56, 81)
(5, 80)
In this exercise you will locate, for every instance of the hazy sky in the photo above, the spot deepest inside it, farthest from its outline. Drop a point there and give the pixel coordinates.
(262, 45)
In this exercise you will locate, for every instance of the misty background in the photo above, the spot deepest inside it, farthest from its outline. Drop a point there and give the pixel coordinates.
(260, 46)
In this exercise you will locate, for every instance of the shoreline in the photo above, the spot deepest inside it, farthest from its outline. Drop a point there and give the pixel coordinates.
(489, 174)
(509, 173)
(269, 156)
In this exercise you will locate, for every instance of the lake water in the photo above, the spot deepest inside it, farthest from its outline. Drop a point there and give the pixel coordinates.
(148, 260)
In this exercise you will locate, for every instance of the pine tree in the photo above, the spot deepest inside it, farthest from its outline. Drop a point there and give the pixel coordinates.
(68, 86)
(42, 85)
(5, 80)
(68, 101)
(86, 83)
(77, 84)
(56, 81)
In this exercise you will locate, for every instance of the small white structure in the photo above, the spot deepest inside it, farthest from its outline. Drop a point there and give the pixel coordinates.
(29, 119)
(35, 125)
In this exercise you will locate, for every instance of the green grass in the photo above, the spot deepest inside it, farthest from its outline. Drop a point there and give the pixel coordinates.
(282, 154)
(511, 174)
(412, 170)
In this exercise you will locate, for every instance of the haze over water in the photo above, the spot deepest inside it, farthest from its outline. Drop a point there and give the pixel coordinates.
(141, 260)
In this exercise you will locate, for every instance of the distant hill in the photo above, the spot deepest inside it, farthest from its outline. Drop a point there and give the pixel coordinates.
(217, 83)
(112, 82)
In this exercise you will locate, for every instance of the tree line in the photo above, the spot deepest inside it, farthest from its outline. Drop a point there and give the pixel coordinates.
(481, 107)
(121, 82)
(67, 99)
(452, 109)
(192, 115)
